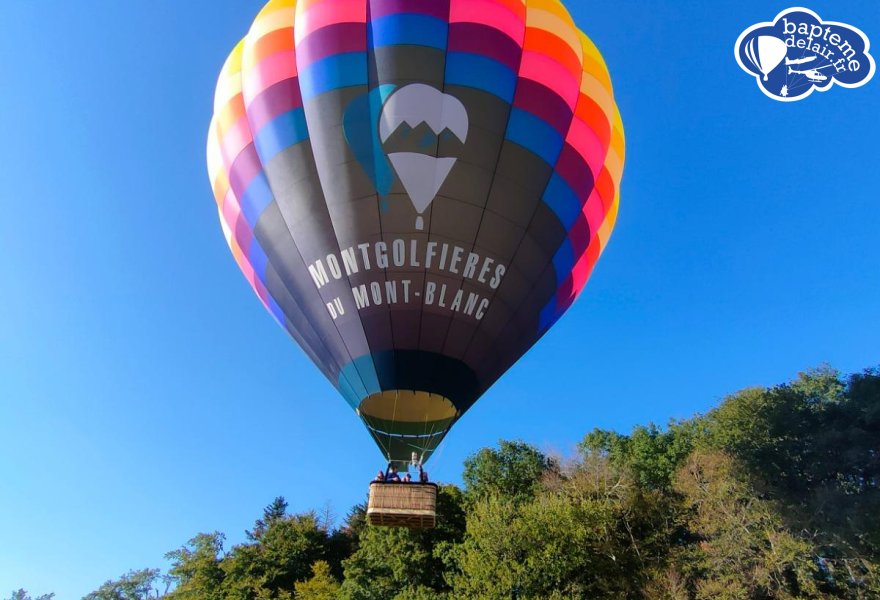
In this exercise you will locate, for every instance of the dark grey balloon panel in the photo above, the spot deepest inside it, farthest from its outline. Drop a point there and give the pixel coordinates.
(402, 65)
(427, 240)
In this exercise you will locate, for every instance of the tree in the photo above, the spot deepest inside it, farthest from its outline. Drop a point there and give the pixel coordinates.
(591, 534)
(513, 470)
(405, 563)
(650, 454)
(812, 446)
(196, 568)
(134, 585)
(343, 542)
(773, 495)
(743, 549)
(282, 556)
(273, 512)
(322, 585)
(22, 594)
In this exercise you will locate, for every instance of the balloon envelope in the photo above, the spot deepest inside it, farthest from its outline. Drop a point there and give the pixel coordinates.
(416, 191)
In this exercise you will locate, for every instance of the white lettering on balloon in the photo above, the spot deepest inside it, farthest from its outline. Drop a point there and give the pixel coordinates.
(398, 287)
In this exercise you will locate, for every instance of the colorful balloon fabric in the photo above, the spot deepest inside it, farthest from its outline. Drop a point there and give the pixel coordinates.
(416, 191)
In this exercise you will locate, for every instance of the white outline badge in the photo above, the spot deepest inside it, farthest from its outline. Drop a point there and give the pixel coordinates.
(798, 52)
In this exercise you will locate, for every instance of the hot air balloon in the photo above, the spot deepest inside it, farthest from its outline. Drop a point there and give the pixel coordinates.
(416, 191)
(765, 52)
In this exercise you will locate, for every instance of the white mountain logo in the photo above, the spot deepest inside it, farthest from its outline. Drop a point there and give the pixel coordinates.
(415, 120)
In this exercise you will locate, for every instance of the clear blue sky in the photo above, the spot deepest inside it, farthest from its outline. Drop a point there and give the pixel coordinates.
(145, 395)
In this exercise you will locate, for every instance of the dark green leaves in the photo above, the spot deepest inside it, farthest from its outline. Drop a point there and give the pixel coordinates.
(773, 495)
(513, 470)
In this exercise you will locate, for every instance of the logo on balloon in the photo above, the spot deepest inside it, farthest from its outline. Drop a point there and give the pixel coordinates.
(798, 53)
(418, 128)
(412, 126)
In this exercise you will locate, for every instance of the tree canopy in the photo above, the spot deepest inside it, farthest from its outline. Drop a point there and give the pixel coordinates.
(771, 495)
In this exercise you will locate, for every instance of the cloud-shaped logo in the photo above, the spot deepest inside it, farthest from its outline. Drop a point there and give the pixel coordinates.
(798, 53)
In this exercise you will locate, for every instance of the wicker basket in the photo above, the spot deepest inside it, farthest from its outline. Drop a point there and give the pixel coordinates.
(402, 504)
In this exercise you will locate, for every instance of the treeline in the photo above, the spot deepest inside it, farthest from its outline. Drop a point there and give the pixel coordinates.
(772, 495)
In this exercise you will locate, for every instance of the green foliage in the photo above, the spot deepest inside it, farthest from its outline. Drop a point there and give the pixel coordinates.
(134, 585)
(405, 563)
(272, 513)
(22, 594)
(287, 549)
(196, 570)
(773, 495)
(281, 552)
(322, 585)
(791, 434)
(652, 455)
(812, 445)
(742, 548)
(586, 535)
(513, 470)
(343, 542)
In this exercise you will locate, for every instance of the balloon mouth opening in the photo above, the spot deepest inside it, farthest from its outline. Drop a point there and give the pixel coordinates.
(420, 223)
(406, 421)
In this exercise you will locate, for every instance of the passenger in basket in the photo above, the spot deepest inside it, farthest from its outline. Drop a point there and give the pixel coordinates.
(380, 476)
(392, 475)
(407, 478)
(423, 477)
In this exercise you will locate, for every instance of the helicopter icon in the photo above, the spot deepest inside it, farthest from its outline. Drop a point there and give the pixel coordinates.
(812, 75)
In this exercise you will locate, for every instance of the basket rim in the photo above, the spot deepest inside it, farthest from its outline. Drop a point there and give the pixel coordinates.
(409, 483)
